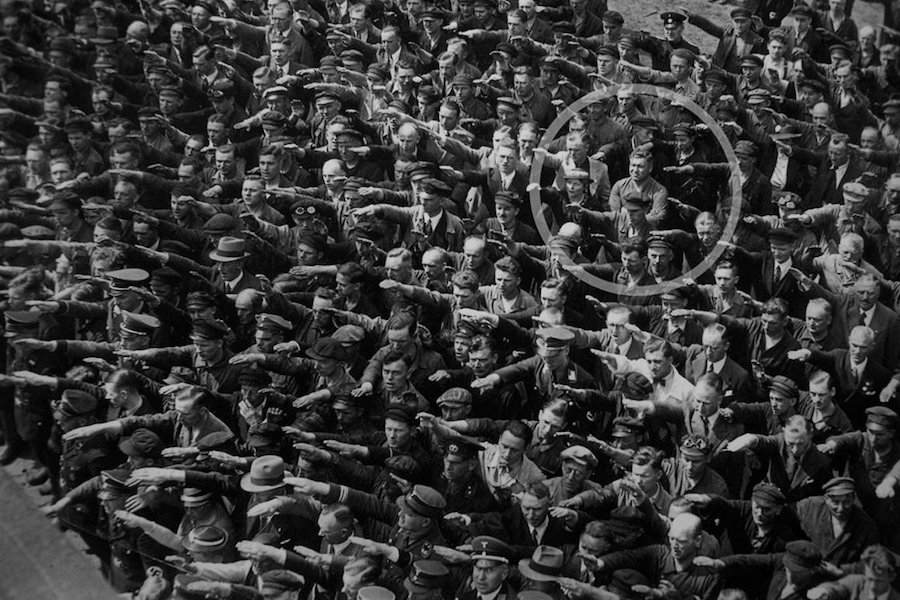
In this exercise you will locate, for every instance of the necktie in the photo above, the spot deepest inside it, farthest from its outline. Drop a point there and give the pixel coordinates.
(862, 317)
(790, 466)
(427, 228)
(777, 274)
(705, 422)
(709, 367)
(534, 535)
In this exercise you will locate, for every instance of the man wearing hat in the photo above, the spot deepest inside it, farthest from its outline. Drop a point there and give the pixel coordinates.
(461, 484)
(25, 415)
(735, 41)
(792, 573)
(762, 525)
(550, 365)
(490, 559)
(673, 39)
(869, 455)
(578, 464)
(426, 580)
(231, 275)
(506, 223)
(836, 523)
(412, 524)
(879, 572)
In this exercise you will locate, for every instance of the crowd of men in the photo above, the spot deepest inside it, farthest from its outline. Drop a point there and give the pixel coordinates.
(344, 301)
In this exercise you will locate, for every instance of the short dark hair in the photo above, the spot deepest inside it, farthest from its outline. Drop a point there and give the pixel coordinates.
(519, 430)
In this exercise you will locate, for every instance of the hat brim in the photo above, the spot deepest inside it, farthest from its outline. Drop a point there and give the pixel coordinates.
(526, 570)
(248, 486)
(221, 258)
(415, 588)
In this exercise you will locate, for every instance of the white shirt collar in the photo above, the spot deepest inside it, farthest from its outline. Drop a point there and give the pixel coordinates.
(624, 348)
(718, 365)
(785, 266)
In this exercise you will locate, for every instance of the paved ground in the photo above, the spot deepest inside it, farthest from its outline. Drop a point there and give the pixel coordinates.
(646, 14)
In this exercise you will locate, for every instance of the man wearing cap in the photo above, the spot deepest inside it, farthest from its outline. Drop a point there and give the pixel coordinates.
(836, 523)
(551, 365)
(735, 41)
(136, 332)
(873, 456)
(673, 31)
(792, 573)
(792, 461)
(208, 355)
(490, 559)
(461, 484)
(578, 464)
(761, 525)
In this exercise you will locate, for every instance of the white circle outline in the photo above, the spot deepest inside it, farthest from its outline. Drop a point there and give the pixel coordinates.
(736, 195)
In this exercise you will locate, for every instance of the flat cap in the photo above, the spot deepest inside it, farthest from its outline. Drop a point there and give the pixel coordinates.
(783, 386)
(740, 13)
(766, 494)
(456, 397)
(839, 486)
(801, 555)
(400, 414)
(854, 190)
(881, 415)
(375, 592)
(349, 334)
(77, 402)
(580, 455)
(143, 443)
(327, 348)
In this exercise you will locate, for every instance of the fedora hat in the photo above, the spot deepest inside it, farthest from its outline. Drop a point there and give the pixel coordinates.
(229, 249)
(545, 564)
(266, 474)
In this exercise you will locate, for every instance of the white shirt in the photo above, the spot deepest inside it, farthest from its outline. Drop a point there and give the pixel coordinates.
(859, 369)
(338, 548)
(718, 365)
(839, 174)
(624, 348)
(539, 531)
(779, 174)
(836, 527)
(868, 315)
(435, 220)
(506, 180)
(784, 268)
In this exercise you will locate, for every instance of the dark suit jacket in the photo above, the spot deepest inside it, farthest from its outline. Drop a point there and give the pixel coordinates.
(735, 378)
(824, 190)
(511, 527)
(859, 533)
(853, 396)
(813, 471)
